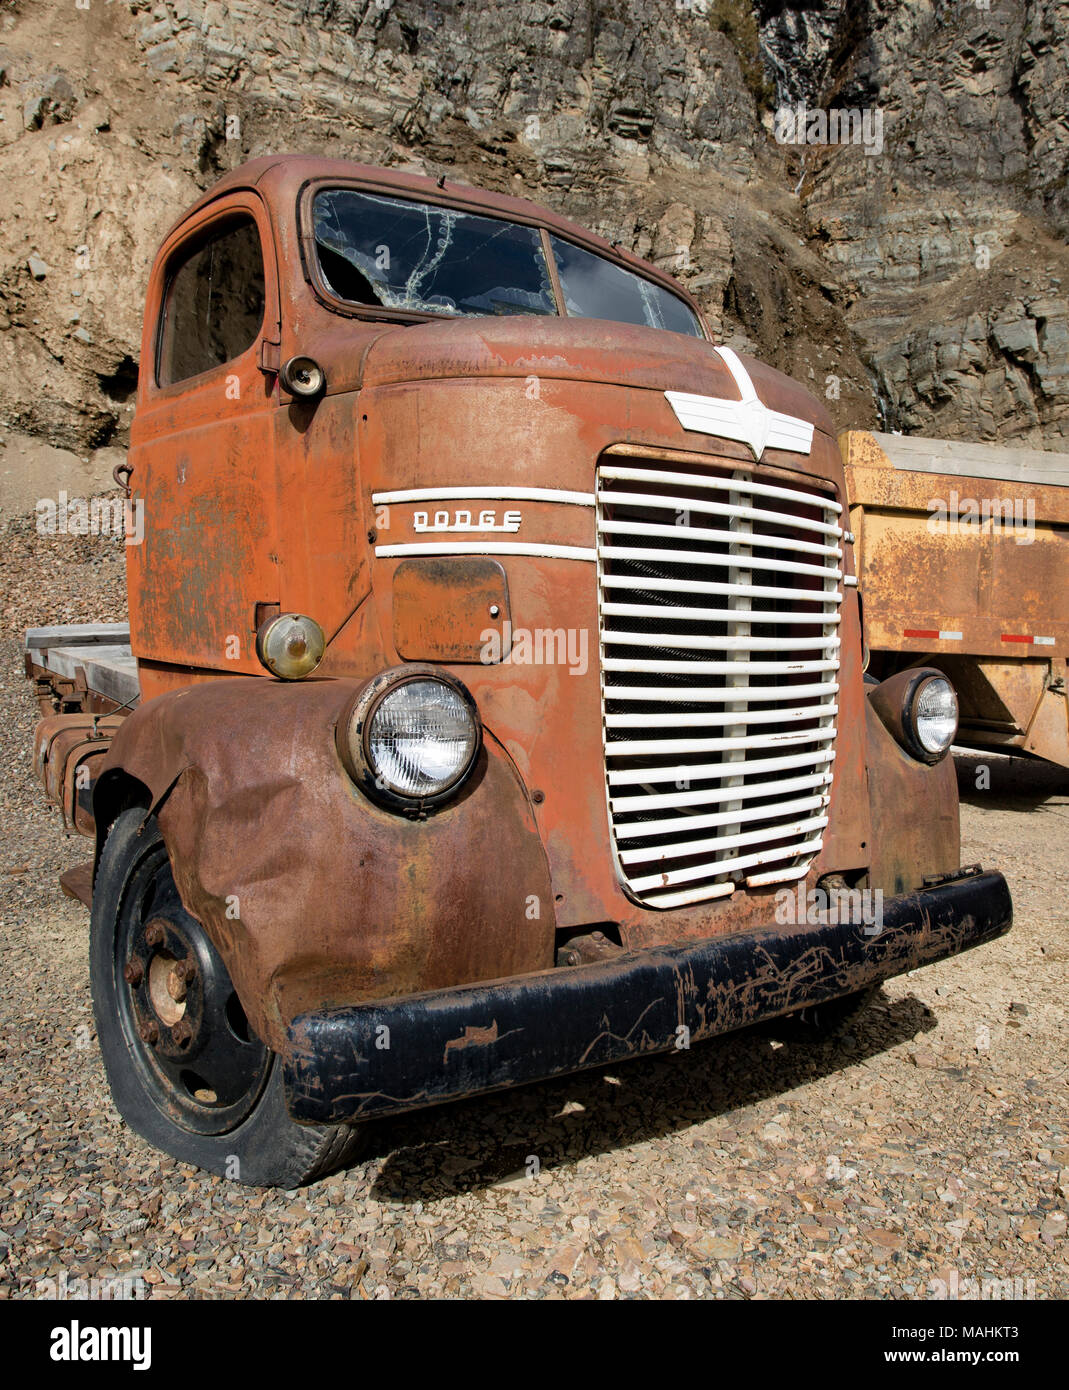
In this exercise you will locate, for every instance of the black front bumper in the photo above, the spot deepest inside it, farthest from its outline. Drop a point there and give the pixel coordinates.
(406, 1053)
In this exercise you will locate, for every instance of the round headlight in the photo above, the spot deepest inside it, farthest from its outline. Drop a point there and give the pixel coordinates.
(411, 737)
(421, 738)
(290, 646)
(935, 715)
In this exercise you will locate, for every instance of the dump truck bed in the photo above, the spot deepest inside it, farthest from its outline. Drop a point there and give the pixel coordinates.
(961, 551)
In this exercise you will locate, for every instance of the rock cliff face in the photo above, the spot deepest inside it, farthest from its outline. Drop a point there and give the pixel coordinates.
(915, 280)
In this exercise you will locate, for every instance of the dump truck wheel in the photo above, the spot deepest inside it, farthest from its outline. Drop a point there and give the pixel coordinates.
(822, 1022)
(186, 1071)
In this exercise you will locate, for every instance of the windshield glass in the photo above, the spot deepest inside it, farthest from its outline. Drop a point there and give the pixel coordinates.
(428, 259)
(419, 257)
(597, 289)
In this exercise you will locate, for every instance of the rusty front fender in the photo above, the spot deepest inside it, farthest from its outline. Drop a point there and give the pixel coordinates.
(914, 807)
(314, 896)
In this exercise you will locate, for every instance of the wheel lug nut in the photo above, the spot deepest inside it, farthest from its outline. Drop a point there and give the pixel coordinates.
(182, 1032)
(149, 1034)
(154, 933)
(133, 973)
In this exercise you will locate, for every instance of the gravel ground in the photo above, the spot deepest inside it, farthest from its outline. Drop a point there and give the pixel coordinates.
(928, 1144)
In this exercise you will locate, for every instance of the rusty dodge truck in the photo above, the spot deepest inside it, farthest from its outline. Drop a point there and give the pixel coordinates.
(493, 701)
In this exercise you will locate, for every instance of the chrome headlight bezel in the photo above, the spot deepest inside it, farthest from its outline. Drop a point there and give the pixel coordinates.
(896, 701)
(354, 731)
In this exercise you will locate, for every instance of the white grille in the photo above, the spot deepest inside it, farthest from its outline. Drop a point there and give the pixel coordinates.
(718, 595)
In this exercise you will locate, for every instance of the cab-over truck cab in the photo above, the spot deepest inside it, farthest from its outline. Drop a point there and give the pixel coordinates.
(501, 696)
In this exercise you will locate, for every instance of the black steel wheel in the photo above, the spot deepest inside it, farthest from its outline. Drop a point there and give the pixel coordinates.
(182, 1021)
(186, 1070)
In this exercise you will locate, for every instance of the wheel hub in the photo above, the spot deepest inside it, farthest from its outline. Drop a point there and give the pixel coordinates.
(167, 987)
(193, 1042)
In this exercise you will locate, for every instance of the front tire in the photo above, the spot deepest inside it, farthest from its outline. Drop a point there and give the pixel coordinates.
(186, 1071)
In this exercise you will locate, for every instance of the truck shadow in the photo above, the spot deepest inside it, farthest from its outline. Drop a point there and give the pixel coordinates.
(994, 780)
(473, 1145)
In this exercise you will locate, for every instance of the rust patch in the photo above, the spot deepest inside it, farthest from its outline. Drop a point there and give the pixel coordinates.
(472, 1036)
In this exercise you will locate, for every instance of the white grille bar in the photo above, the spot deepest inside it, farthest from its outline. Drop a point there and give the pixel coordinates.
(644, 747)
(690, 895)
(703, 720)
(703, 586)
(711, 482)
(697, 694)
(752, 813)
(689, 641)
(703, 615)
(659, 801)
(712, 668)
(683, 849)
(698, 557)
(686, 772)
(707, 533)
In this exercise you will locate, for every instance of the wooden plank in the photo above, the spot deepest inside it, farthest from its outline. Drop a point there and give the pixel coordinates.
(109, 670)
(41, 639)
(914, 454)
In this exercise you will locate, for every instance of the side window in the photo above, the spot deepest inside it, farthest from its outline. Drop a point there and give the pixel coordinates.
(214, 303)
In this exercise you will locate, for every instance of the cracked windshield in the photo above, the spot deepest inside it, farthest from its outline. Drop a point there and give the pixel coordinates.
(423, 258)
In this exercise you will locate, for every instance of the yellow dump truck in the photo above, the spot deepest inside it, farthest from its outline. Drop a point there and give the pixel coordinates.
(962, 552)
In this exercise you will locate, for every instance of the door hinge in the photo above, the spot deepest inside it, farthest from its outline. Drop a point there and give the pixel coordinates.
(270, 356)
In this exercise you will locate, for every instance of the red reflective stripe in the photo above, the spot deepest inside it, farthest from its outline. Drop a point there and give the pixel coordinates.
(1014, 637)
(921, 632)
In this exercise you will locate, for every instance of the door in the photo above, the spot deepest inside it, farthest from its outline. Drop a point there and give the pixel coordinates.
(202, 445)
